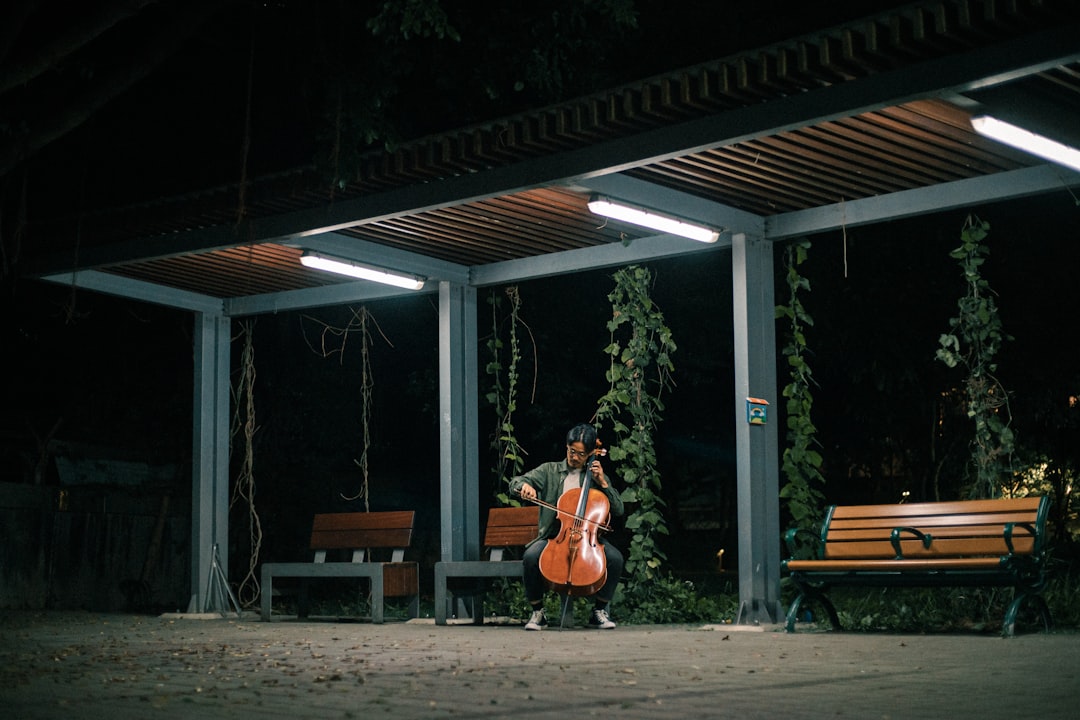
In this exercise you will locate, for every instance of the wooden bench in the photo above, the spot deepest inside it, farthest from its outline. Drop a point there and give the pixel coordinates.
(360, 534)
(968, 543)
(508, 527)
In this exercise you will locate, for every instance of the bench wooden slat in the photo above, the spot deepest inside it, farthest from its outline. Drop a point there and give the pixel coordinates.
(885, 531)
(349, 539)
(944, 541)
(938, 547)
(988, 520)
(336, 531)
(899, 566)
(955, 507)
(511, 527)
(862, 549)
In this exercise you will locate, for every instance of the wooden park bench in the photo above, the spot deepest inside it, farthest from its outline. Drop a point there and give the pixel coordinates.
(507, 528)
(359, 534)
(968, 543)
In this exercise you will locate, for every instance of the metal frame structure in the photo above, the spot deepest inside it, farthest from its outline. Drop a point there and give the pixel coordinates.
(849, 126)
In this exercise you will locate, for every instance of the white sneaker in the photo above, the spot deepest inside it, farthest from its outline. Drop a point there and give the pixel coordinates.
(538, 621)
(600, 620)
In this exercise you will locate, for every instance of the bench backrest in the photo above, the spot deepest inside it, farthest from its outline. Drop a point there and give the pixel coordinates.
(510, 527)
(962, 528)
(360, 532)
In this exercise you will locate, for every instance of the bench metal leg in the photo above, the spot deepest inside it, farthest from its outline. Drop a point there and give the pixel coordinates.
(811, 595)
(440, 594)
(793, 614)
(376, 588)
(1008, 629)
(443, 597)
(377, 598)
(267, 594)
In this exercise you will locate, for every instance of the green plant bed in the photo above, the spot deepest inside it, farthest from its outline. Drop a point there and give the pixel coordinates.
(942, 610)
(341, 601)
(669, 601)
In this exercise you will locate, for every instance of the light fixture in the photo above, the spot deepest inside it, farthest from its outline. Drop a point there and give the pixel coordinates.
(1027, 141)
(318, 261)
(651, 219)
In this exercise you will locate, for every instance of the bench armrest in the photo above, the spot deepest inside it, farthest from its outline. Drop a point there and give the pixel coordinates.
(894, 538)
(1009, 533)
(791, 540)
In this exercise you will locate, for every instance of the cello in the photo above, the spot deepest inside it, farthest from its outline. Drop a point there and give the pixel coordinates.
(573, 562)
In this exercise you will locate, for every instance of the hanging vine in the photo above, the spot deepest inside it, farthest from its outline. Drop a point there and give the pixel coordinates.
(243, 437)
(332, 342)
(640, 371)
(975, 336)
(510, 453)
(801, 461)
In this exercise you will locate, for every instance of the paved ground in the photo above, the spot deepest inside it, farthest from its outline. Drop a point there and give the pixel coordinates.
(81, 665)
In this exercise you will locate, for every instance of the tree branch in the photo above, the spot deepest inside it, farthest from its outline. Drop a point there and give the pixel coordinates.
(67, 42)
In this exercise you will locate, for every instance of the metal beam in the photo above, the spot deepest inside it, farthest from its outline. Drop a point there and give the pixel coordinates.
(643, 249)
(341, 294)
(110, 284)
(908, 203)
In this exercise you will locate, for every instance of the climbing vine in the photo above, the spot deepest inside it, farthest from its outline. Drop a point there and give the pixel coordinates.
(332, 342)
(503, 397)
(801, 461)
(639, 372)
(243, 442)
(975, 336)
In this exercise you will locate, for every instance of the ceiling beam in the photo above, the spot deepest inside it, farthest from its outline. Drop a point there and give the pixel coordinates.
(358, 291)
(643, 249)
(946, 196)
(110, 284)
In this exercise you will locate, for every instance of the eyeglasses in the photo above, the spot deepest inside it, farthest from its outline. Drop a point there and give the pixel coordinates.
(575, 453)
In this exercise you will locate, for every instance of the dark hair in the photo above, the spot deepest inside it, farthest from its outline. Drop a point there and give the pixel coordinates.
(585, 434)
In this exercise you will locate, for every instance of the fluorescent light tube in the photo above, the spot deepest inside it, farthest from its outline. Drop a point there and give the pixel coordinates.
(347, 267)
(1027, 141)
(647, 218)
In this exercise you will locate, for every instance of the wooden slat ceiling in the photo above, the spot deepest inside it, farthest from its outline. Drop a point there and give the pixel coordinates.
(909, 146)
(912, 145)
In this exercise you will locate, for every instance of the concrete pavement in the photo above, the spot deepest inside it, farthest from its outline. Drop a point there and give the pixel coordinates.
(88, 665)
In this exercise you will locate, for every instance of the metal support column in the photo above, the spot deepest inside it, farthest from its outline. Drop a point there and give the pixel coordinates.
(756, 444)
(459, 515)
(210, 456)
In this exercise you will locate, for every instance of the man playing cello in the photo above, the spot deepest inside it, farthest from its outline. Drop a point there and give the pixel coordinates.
(545, 485)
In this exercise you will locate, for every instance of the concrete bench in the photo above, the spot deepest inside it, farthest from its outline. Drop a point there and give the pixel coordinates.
(968, 543)
(507, 528)
(359, 534)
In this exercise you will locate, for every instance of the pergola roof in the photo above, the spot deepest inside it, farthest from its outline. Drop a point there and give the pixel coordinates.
(861, 123)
